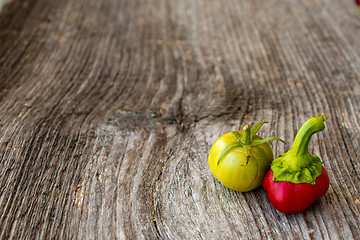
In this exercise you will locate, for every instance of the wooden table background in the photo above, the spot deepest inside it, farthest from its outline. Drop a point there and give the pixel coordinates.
(109, 108)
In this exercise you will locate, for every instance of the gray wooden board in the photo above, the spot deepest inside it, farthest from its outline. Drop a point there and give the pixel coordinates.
(109, 108)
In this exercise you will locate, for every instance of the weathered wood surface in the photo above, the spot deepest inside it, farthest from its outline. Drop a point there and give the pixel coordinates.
(109, 108)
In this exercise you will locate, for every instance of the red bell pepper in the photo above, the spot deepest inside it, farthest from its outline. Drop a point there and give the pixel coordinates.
(297, 178)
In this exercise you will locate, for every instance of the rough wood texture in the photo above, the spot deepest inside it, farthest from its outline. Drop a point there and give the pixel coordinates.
(109, 108)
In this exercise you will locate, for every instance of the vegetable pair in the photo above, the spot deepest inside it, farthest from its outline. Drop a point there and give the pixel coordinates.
(240, 159)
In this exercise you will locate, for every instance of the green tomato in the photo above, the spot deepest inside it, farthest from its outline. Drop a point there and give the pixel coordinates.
(240, 159)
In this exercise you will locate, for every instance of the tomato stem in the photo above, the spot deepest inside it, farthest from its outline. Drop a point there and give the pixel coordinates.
(246, 139)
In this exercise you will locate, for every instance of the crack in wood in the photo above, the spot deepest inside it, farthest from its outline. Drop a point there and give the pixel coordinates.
(154, 208)
(153, 213)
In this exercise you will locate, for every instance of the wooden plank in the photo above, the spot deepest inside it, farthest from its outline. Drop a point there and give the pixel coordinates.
(109, 108)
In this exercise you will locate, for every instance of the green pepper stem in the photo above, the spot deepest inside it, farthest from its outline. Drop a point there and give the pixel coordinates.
(301, 143)
(246, 139)
(297, 165)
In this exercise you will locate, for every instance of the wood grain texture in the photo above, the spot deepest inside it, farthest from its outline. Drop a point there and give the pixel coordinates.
(109, 108)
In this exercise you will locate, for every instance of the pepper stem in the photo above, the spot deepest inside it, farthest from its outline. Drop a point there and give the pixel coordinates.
(297, 165)
(303, 137)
